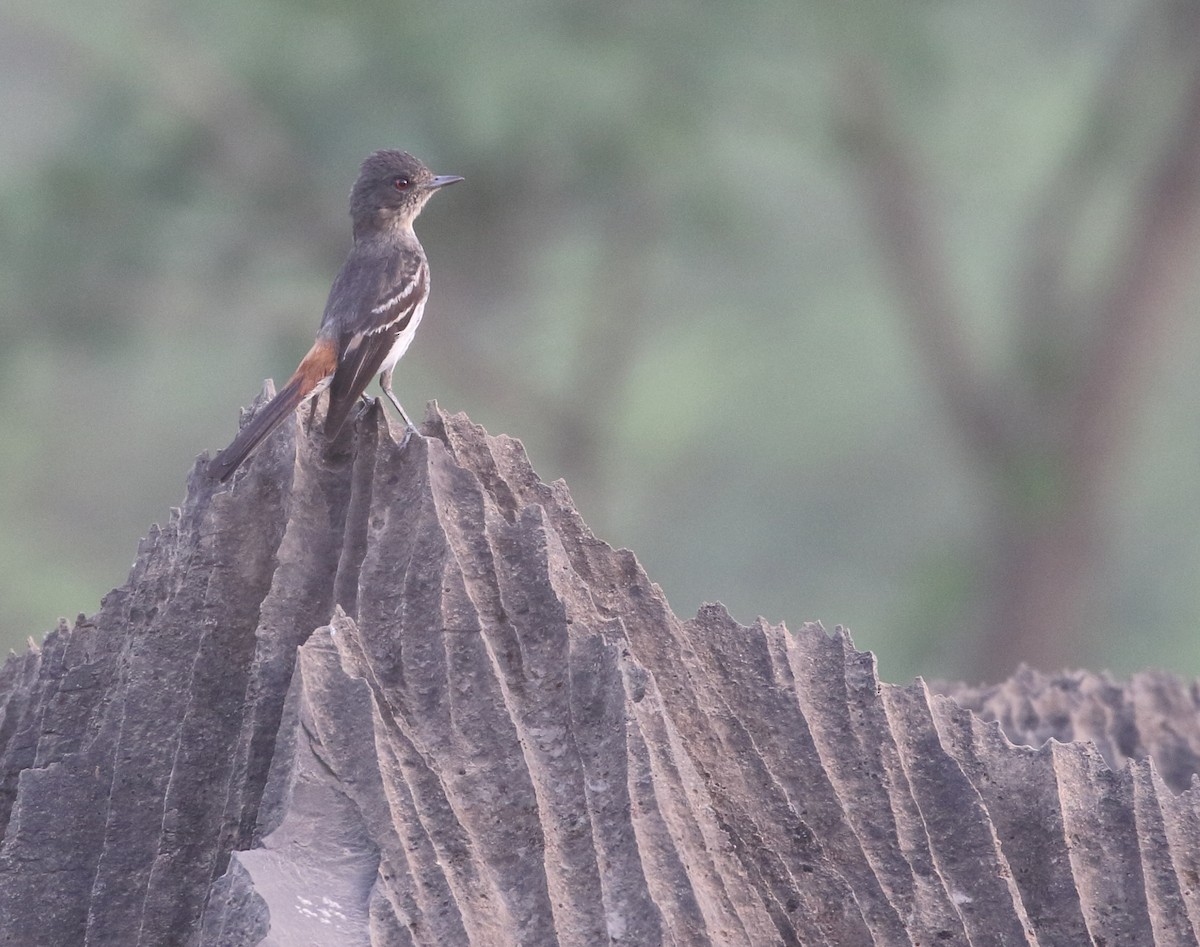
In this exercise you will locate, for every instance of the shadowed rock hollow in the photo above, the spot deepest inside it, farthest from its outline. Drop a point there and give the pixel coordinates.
(383, 696)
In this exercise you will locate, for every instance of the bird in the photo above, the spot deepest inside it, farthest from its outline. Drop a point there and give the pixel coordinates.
(374, 307)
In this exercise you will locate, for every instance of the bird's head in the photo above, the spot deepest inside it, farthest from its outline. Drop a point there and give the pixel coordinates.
(391, 189)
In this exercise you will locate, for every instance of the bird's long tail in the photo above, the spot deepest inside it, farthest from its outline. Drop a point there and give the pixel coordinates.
(316, 366)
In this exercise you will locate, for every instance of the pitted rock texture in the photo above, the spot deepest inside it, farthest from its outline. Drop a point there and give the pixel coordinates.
(373, 695)
(1153, 715)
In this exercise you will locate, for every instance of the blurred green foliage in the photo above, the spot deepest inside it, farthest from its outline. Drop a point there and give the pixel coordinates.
(658, 275)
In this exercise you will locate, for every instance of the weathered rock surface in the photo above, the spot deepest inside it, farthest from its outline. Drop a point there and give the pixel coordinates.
(384, 696)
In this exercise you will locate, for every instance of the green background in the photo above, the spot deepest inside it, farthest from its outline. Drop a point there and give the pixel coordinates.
(664, 274)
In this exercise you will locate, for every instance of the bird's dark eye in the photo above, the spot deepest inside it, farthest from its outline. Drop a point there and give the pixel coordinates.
(401, 184)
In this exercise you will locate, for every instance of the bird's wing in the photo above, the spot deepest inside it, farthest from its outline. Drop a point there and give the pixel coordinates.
(371, 333)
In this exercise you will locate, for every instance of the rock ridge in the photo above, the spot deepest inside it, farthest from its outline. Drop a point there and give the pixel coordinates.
(380, 695)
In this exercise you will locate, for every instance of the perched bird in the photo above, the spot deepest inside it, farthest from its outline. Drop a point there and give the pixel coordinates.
(374, 307)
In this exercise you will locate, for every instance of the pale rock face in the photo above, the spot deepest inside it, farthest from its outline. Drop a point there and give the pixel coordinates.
(379, 696)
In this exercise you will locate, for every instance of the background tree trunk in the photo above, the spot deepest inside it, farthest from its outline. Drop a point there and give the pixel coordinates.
(1048, 431)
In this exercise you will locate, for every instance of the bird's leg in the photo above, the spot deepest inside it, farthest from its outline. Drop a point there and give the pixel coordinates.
(385, 382)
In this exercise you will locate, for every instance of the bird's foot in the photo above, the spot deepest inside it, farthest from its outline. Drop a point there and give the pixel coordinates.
(409, 431)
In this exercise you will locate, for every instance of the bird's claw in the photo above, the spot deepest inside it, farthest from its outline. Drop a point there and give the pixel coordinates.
(409, 431)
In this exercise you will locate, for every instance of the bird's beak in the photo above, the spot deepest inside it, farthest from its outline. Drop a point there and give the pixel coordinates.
(442, 180)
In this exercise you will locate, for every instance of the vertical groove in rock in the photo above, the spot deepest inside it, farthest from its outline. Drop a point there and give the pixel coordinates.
(373, 695)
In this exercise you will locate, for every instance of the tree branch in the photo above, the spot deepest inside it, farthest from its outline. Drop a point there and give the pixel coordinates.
(898, 204)
(1057, 217)
(1154, 266)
